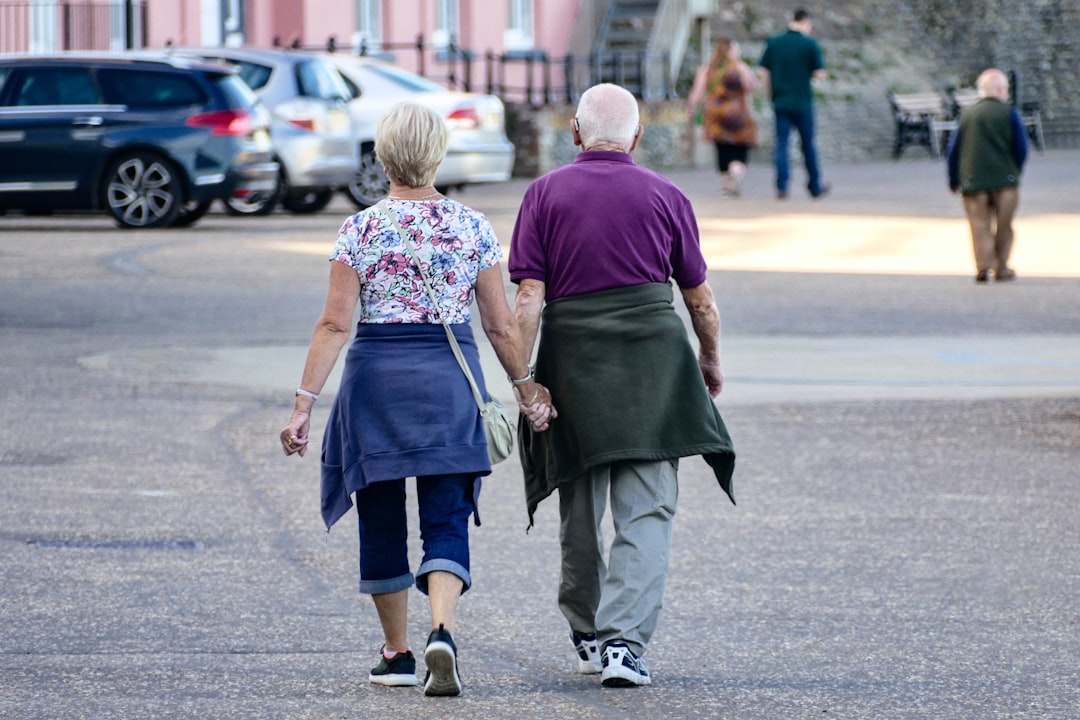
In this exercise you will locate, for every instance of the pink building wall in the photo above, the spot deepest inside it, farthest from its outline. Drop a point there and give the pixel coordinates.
(482, 29)
(482, 23)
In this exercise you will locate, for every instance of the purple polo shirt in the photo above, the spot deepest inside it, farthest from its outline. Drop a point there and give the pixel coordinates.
(604, 222)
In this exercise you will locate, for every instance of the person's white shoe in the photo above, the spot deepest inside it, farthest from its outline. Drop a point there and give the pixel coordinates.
(622, 668)
(588, 653)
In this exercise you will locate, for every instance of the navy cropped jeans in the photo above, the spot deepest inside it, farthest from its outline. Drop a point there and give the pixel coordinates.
(445, 503)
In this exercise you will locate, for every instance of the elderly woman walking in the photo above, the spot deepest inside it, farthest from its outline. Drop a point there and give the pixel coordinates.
(405, 408)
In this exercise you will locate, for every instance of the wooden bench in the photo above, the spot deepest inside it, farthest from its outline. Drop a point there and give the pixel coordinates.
(917, 116)
(965, 98)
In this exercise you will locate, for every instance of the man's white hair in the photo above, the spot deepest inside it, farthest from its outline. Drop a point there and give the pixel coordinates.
(607, 115)
(993, 83)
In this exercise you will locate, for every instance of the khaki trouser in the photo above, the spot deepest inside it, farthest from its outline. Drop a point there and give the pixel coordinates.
(619, 600)
(990, 214)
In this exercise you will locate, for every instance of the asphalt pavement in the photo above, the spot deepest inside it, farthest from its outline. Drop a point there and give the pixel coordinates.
(905, 544)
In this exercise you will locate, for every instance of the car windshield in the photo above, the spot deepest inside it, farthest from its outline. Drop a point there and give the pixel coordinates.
(255, 75)
(317, 79)
(236, 91)
(404, 78)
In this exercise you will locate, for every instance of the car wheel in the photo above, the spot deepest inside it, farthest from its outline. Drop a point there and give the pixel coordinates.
(371, 184)
(142, 190)
(191, 212)
(307, 202)
(256, 204)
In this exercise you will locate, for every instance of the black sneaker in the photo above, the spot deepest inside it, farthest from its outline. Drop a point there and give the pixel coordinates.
(623, 668)
(398, 671)
(441, 659)
(588, 653)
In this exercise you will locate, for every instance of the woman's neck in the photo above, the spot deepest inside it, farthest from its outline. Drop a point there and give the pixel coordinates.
(408, 192)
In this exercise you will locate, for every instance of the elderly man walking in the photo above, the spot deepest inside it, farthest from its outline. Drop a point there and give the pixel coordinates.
(594, 250)
(985, 158)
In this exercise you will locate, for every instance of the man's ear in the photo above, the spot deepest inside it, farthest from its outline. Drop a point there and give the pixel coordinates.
(575, 128)
(637, 137)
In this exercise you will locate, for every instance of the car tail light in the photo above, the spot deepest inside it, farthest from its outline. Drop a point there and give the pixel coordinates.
(303, 123)
(464, 117)
(223, 122)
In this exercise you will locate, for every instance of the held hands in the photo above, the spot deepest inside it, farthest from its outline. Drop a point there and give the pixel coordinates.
(534, 402)
(294, 436)
(713, 373)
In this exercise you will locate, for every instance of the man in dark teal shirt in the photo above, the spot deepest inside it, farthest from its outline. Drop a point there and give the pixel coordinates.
(791, 60)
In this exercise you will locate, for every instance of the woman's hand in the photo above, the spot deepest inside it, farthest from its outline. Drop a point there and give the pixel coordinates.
(534, 402)
(294, 436)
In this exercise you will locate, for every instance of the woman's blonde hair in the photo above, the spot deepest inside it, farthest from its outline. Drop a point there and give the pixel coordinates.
(410, 142)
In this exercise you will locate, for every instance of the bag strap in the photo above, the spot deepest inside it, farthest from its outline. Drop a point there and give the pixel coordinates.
(435, 305)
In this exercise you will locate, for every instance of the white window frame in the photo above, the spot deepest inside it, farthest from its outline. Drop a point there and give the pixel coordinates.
(519, 31)
(446, 24)
(368, 25)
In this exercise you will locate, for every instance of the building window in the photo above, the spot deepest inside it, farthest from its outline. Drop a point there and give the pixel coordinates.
(519, 33)
(368, 25)
(446, 24)
(232, 22)
(55, 26)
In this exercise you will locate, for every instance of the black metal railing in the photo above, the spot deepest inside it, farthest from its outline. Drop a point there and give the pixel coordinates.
(530, 77)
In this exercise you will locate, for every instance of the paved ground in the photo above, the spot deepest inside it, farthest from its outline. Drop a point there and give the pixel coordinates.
(905, 544)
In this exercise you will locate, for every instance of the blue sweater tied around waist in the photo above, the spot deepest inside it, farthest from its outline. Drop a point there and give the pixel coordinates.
(404, 409)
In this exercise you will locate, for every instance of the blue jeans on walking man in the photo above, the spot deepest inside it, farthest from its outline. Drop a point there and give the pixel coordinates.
(804, 125)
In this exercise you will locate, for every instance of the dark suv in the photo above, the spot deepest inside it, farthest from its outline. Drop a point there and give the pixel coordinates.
(151, 141)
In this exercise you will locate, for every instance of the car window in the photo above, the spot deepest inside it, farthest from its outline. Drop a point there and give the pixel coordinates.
(151, 89)
(55, 86)
(236, 91)
(4, 72)
(317, 79)
(354, 89)
(253, 74)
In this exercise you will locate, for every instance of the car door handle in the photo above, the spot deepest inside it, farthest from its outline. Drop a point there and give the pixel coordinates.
(91, 120)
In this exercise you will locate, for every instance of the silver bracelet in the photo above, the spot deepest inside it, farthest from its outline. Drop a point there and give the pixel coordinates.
(523, 381)
(301, 391)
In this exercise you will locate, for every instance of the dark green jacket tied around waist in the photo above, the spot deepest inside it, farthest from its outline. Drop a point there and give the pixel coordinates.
(627, 385)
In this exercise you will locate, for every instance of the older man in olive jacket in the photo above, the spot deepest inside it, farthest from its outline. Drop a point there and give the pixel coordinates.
(986, 156)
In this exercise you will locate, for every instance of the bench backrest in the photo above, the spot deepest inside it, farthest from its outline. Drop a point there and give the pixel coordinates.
(913, 105)
(964, 98)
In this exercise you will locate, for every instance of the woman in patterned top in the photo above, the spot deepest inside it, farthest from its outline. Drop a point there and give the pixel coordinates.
(404, 407)
(725, 84)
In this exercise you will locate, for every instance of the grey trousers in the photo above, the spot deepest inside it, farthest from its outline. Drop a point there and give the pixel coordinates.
(620, 599)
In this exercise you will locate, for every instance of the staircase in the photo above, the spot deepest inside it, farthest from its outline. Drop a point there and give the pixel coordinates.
(640, 44)
(622, 44)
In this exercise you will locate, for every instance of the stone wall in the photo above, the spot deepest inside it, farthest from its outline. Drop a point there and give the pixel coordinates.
(1038, 39)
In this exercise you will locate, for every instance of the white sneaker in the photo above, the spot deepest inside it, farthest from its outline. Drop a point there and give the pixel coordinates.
(623, 668)
(588, 653)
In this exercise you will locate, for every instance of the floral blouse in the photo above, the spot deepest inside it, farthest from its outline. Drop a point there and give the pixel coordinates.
(454, 243)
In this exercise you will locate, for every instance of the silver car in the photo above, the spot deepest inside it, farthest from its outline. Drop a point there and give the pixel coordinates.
(311, 127)
(479, 150)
